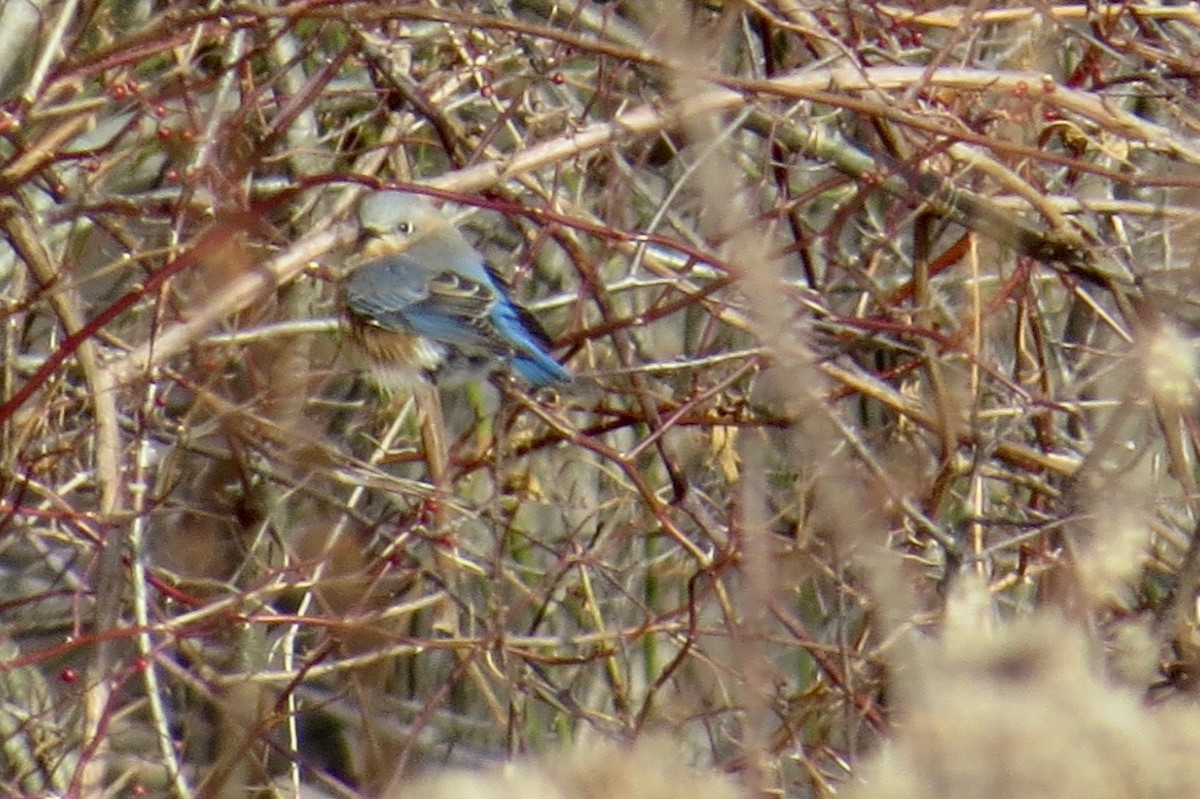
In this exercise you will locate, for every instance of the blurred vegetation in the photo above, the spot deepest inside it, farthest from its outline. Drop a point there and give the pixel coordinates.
(881, 318)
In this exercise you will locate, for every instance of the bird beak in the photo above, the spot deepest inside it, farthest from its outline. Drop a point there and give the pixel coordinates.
(365, 236)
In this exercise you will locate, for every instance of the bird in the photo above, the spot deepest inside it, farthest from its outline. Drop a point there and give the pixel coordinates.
(423, 303)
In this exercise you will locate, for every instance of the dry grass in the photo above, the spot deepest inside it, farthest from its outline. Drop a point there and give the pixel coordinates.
(882, 443)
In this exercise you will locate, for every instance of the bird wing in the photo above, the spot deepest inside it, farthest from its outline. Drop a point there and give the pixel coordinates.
(399, 293)
(539, 338)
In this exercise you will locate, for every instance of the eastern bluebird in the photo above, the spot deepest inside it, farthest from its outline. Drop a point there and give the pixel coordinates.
(424, 300)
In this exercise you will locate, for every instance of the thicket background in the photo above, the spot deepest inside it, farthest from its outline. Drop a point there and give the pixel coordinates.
(883, 425)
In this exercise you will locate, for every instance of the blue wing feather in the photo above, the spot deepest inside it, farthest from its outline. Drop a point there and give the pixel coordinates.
(466, 309)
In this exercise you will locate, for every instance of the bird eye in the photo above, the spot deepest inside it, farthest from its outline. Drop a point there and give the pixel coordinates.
(405, 228)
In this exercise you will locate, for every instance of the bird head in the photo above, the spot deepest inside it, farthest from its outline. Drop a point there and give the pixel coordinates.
(395, 221)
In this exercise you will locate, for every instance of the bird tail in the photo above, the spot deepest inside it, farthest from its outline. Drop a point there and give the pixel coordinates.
(539, 369)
